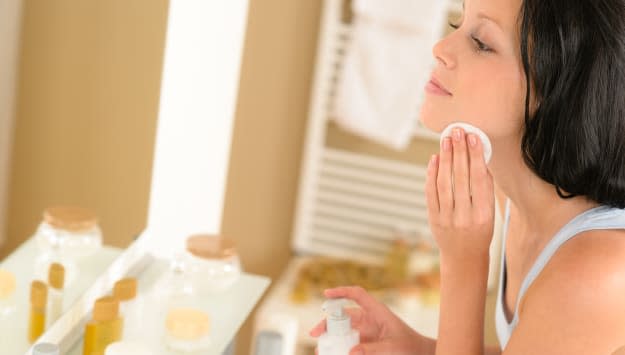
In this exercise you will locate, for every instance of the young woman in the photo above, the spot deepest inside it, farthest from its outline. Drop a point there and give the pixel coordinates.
(545, 79)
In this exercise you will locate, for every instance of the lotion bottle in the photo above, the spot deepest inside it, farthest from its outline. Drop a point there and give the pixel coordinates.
(339, 338)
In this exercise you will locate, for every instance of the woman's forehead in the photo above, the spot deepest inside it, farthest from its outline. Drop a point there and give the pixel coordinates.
(503, 12)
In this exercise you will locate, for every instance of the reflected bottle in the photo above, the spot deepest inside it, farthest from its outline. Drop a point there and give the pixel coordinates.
(38, 304)
(105, 328)
(66, 235)
(56, 281)
(130, 306)
(211, 263)
(7, 307)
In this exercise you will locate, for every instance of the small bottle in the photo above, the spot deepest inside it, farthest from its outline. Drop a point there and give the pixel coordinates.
(56, 281)
(46, 349)
(340, 338)
(7, 307)
(105, 328)
(125, 290)
(38, 304)
(187, 329)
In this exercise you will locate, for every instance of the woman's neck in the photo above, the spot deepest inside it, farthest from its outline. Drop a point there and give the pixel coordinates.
(539, 211)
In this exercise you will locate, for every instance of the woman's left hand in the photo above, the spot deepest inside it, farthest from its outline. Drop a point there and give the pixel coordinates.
(460, 198)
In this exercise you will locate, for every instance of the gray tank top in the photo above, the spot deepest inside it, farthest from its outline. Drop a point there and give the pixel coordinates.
(602, 217)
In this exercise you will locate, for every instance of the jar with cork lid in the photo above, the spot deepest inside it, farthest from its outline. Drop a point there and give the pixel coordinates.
(66, 235)
(211, 263)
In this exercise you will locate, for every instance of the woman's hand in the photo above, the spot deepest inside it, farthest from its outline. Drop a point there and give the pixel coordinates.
(381, 331)
(460, 199)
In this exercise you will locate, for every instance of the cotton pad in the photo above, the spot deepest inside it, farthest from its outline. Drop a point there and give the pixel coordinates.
(486, 146)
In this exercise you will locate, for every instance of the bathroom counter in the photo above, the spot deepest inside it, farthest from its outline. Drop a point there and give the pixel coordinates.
(21, 264)
(227, 310)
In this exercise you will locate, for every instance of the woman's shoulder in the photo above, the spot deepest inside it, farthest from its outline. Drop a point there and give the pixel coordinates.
(580, 291)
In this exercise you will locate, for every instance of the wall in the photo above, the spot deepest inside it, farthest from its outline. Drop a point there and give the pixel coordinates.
(268, 134)
(87, 102)
(10, 16)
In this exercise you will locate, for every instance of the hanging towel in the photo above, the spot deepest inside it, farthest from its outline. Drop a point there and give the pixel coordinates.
(387, 64)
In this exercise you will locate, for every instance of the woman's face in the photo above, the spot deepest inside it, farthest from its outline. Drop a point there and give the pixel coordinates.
(479, 65)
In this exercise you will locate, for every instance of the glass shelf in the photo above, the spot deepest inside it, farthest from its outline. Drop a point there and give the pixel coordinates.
(227, 310)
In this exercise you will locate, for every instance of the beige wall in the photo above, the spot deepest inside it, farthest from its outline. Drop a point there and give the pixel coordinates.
(87, 105)
(268, 134)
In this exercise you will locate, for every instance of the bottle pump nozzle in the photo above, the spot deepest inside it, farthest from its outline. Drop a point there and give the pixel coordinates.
(338, 322)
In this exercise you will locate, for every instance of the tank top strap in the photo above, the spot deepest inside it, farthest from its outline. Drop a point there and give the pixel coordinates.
(602, 217)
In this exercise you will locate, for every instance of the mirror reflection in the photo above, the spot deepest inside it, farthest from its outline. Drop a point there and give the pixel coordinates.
(76, 147)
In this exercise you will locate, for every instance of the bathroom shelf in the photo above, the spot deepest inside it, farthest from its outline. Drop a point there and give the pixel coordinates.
(227, 310)
(21, 264)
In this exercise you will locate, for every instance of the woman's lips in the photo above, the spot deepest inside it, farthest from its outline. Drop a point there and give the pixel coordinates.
(434, 87)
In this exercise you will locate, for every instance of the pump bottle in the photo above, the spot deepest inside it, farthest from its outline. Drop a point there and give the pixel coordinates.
(339, 338)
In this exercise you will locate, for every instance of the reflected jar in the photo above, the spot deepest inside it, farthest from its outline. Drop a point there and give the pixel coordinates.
(66, 235)
(211, 263)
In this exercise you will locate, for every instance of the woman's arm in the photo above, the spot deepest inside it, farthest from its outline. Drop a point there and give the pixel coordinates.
(461, 208)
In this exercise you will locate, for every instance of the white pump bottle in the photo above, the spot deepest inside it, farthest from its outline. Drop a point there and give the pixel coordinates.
(339, 338)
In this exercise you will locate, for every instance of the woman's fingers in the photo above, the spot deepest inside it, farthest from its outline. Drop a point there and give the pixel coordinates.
(460, 162)
(431, 191)
(443, 179)
(481, 181)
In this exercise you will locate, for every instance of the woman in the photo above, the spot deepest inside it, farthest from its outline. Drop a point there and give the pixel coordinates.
(558, 165)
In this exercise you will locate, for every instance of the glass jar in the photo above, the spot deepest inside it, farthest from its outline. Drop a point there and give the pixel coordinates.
(211, 263)
(66, 235)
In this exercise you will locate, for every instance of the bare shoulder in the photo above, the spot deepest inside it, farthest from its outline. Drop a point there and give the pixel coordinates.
(576, 303)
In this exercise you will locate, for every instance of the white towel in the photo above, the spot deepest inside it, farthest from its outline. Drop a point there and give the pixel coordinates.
(387, 64)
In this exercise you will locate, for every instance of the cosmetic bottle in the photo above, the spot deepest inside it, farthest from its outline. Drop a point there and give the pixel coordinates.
(46, 349)
(56, 281)
(66, 235)
(105, 328)
(7, 307)
(38, 304)
(339, 338)
(187, 330)
(130, 306)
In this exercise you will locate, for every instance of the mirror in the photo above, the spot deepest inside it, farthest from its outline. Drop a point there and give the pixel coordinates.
(84, 86)
(89, 89)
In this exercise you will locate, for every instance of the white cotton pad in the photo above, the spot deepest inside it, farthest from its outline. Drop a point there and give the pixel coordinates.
(486, 146)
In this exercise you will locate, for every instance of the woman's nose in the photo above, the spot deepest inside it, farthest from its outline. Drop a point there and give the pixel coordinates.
(443, 53)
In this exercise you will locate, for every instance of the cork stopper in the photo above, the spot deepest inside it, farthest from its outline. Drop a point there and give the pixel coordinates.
(105, 309)
(7, 284)
(38, 294)
(70, 218)
(208, 246)
(187, 324)
(125, 289)
(56, 276)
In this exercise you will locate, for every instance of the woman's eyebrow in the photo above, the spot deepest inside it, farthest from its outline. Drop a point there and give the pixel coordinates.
(481, 15)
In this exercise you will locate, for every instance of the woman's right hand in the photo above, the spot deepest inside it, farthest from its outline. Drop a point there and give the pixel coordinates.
(381, 331)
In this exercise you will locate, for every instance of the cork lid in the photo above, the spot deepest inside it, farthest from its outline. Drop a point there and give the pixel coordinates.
(187, 323)
(38, 294)
(70, 218)
(7, 284)
(208, 246)
(105, 309)
(125, 289)
(56, 276)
